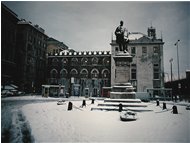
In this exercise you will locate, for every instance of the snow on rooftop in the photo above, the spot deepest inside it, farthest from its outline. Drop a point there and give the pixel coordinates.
(135, 35)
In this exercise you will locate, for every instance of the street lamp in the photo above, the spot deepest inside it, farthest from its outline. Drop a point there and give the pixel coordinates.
(176, 44)
(171, 60)
(179, 85)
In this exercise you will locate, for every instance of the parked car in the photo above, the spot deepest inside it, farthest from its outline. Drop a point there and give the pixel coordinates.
(5, 93)
(20, 93)
(188, 107)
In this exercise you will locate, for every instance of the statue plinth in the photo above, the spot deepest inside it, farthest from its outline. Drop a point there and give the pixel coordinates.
(122, 91)
(121, 56)
(122, 88)
(122, 66)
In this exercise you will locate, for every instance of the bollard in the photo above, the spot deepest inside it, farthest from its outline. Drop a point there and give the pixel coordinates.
(120, 107)
(92, 101)
(157, 103)
(83, 103)
(164, 105)
(70, 106)
(175, 109)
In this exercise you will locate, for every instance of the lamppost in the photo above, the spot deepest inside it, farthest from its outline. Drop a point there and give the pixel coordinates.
(171, 60)
(176, 44)
(179, 85)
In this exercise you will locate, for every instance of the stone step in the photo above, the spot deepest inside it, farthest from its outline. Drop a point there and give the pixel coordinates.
(140, 109)
(124, 104)
(123, 100)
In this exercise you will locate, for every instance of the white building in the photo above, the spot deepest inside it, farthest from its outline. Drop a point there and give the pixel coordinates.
(146, 69)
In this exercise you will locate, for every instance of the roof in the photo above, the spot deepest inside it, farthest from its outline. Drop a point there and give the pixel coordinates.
(51, 40)
(135, 35)
(81, 53)
(9, 10)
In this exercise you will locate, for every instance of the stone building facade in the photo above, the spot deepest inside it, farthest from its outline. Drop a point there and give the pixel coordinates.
(8, 45)
(82, 73)
(31, 52)
(146, 69)
(97, 70)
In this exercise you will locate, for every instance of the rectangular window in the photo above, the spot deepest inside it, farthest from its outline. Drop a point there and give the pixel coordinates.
(133, 50)
(133, 65)
(156, 84)
(133, 74)
(156, 71)
(156, 50)
(144, 50)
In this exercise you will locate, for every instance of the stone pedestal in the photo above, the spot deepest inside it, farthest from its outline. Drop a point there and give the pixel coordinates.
(121, 88)
(122, 67)
(122, 91)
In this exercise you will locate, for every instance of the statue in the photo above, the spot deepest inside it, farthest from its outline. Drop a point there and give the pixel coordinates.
(121, 38)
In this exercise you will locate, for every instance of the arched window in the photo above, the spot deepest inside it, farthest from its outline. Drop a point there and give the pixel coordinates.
(105, 73)
(55, 62)
(106, 61)
(94, 73)
(64, 61)
(84, 73)
(84, 61)
(63, 73)
(74, 73)
(53, 73)
(94, 61)
(74, 61)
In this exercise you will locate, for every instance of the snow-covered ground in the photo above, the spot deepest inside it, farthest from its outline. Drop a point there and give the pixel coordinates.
(37, 119)
(50, 122)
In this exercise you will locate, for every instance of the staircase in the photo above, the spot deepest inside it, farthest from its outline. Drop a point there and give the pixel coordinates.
(127, 104)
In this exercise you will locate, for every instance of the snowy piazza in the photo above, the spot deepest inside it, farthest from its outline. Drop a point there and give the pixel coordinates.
(44, 121)
(95, 71)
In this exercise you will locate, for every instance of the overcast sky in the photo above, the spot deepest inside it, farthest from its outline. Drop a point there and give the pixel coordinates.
(88, 25)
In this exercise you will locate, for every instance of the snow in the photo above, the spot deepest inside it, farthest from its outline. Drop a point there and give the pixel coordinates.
(50, 122)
